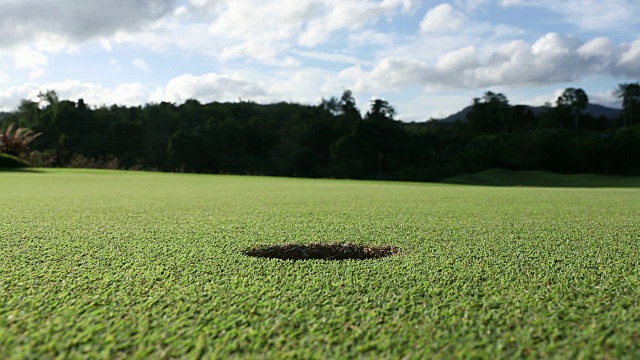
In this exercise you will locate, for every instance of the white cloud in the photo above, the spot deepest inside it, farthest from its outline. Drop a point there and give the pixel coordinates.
(630, 58)
(206, 88)
(31, 20)
(544, 99)
(394, 74)
(180, 11)
(52, 43)
(28, 59)
(598, 47)
(36, 73)
(442, 18)
(554, 44)
(106, 44)
(353, 77)
(306, 86)
(550, 59)
(300, 50)
(33, 61)
(129, 94)
(265, 29)
(458, 60)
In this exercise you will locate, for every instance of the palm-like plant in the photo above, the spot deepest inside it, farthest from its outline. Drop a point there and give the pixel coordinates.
(15, 141)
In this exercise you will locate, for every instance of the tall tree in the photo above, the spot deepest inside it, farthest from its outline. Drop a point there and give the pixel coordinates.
(383, 137)
(332, 105)
(630, 95)
(575, 100)
(28, 113)
(49, 96)
(490, 113)
(348, 106)
(380, 110)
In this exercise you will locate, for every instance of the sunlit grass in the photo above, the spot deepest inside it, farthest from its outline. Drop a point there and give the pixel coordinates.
(116, 264)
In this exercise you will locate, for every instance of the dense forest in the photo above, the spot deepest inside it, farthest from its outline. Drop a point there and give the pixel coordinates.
(331, 139)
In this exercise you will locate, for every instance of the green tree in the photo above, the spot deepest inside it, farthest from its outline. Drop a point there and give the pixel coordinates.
(630, 95)
(383, 139)
(49, 96)
(380, 110)
(574, 100)
(348, 104)
(490, 114)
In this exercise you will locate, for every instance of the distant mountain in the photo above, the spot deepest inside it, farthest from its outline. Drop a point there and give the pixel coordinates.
(599, 110)
(594, 110)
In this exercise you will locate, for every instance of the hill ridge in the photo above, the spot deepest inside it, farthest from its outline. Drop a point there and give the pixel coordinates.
(595, 110)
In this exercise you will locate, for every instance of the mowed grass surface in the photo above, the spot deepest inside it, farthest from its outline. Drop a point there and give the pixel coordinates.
(127, 264)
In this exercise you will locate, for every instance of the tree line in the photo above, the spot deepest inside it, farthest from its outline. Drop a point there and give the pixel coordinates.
(331, 139)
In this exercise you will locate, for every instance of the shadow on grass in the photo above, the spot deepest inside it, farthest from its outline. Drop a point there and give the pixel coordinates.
(499, 177)
(21, 170)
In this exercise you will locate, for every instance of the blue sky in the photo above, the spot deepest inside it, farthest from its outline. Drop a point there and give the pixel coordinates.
(427, 58)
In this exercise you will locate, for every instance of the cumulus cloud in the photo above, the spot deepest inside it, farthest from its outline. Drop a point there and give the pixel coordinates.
(28, 58)
(348, 14)
(550, 59)
(263, 30)
(300, 50)
(207, 87)
(442, 18)
(307, 86)
(394, 74)
(267, 28)
(458, 60)
(629, 62)
(598, 47)
(30, 20)
(129, 94)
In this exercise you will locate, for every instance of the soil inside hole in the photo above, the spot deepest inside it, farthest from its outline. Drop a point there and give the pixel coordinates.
(320, 251)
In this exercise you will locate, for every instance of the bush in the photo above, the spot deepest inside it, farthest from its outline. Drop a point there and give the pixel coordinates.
(82, 162)
(15, 141)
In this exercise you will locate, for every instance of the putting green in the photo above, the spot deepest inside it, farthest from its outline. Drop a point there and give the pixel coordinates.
(107, 264)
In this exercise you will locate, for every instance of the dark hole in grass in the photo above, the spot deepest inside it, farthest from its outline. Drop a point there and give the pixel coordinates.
(320, 251)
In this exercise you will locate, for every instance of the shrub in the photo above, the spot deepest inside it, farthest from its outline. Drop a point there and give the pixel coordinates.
(16, 141)
(81, 161)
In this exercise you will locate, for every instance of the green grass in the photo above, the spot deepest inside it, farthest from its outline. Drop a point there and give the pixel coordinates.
(500, 177)
(97, 264)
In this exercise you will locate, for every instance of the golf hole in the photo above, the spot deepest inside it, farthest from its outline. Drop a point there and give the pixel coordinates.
(321, 251)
